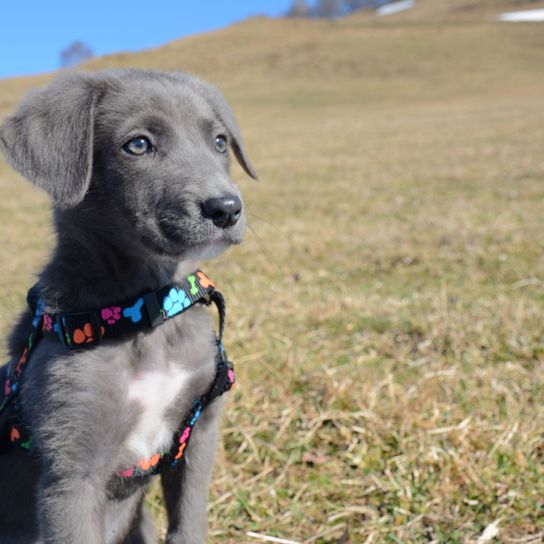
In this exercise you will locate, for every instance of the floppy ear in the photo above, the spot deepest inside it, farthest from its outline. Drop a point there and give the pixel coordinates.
(49, 138)
(225, 113)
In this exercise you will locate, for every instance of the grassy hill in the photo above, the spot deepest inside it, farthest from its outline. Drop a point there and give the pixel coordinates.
(386, 308)
(464, 10)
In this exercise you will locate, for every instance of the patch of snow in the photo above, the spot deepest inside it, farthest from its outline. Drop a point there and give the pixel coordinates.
(395, 7)
(528, 15)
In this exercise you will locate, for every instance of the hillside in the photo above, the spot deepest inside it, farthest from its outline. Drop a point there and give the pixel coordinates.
(362, 50)
(386, 308)
(463, 10)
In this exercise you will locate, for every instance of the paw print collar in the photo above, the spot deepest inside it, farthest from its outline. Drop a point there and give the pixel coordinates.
(76, 330)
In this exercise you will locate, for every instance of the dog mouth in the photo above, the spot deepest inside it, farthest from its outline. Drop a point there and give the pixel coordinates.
(207, 250)
(169, 238)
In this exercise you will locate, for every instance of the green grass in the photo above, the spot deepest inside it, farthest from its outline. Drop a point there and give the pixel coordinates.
(385, 311)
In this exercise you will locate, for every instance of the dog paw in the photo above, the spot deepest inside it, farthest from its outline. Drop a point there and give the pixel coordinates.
(111, 315)
(21, 362)
(134, 312)
(47, 323)
(86, 334)
(14, 434)
(181, 449)
(38, 313)
(175, 302)
(146, 464)
(194, 287)
(204, 280)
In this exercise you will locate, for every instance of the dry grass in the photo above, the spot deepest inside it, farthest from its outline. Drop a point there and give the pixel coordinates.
(463, 10)
(386, 314)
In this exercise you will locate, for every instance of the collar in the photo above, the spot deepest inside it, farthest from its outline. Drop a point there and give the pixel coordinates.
(76, 330)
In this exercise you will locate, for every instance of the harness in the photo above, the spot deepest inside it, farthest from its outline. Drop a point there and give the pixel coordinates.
(84, 330)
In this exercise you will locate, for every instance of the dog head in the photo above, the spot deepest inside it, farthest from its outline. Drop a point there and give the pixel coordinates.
(139, 156)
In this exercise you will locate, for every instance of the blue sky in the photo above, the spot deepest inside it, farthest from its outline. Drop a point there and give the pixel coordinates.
(34, 32)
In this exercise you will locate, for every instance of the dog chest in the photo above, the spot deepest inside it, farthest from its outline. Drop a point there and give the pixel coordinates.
(168, 369)
(151, 394)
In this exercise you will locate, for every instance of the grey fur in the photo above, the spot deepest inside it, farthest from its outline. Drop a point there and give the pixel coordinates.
(125, 224)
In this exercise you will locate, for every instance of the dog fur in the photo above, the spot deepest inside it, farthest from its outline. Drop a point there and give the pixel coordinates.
(125, 224)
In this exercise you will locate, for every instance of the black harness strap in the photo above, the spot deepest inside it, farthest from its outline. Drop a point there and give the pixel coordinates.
(79, 330)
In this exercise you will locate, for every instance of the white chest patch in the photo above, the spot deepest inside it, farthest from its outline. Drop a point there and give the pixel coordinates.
(154, 392)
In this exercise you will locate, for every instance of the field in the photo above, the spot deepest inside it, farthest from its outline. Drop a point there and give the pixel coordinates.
(385, 311)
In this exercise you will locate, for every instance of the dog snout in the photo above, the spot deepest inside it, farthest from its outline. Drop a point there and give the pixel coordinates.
(223, 211)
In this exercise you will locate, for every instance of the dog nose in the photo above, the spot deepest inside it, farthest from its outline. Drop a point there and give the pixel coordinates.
(224, 211)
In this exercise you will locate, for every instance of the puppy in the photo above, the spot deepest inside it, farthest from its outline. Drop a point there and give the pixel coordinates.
(137, 167)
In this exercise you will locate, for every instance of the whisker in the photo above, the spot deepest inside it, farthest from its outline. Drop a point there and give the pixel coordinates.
(259, 240)
(267, 222)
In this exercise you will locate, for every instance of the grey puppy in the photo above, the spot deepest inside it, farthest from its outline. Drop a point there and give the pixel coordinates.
(137, 167)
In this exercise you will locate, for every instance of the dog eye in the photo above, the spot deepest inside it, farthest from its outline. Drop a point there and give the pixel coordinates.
(138, 146)
(221, 143)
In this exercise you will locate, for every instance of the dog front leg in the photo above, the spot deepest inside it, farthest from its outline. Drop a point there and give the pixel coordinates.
(186, 485)
(70, 509)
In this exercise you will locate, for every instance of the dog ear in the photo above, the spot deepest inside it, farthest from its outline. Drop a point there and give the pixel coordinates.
(49, 138)
(225, 113)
